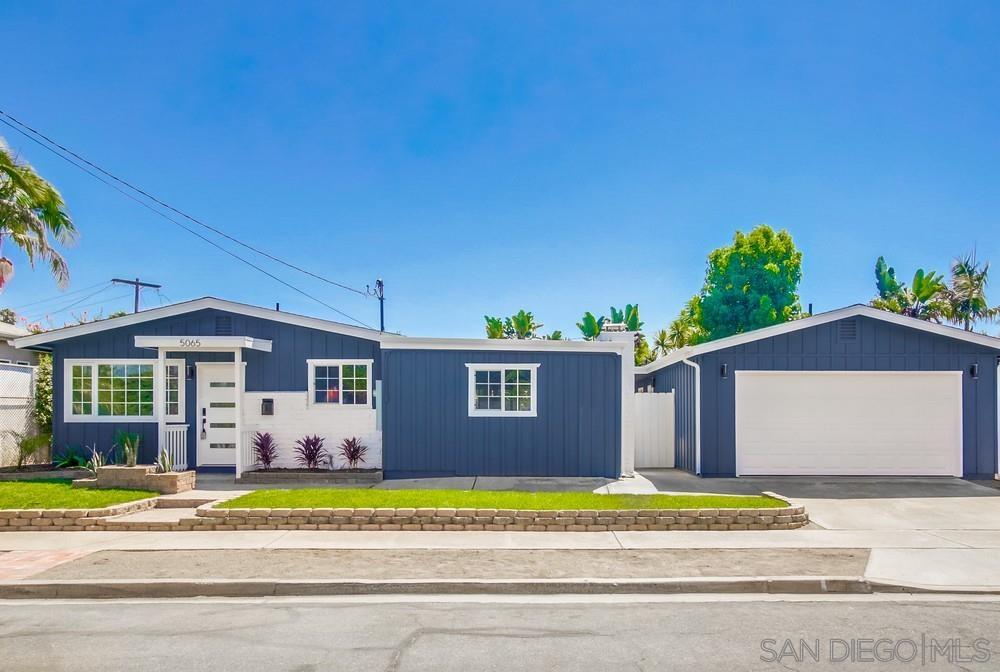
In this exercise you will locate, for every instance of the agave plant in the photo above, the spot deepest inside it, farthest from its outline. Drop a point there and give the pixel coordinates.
(128, 445)
(309, 451)
(265, 449)
(96, 461)
(164, 463)
(353, 452)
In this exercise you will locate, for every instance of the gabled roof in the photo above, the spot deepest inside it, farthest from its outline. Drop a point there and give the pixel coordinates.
(12, 331)
(815, 320)
(44, 338)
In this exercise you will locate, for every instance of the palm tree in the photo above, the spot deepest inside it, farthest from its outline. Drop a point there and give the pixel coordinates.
(967, 302)
(590, 326)
(661, 343)
(30, 210)
(494, 327)
(926, 298)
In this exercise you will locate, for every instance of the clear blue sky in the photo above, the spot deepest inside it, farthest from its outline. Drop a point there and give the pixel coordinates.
(488, 156)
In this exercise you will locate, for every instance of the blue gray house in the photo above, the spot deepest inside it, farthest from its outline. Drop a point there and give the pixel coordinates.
(197, 379)
(855, 391)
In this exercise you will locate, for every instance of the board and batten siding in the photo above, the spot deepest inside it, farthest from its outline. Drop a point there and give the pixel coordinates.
(426, 428)
(284, 369)
(866, 345)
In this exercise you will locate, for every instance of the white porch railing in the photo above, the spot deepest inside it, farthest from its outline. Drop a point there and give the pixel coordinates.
(175, 443)
(248, 460)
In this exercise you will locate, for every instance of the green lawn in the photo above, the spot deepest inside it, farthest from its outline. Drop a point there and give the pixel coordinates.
(322, 498)
(59, 494)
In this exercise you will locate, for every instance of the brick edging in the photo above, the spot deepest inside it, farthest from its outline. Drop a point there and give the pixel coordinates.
(68, 520)
(432, 519)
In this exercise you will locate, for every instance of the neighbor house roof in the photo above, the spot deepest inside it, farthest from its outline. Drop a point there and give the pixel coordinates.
(208, 302)
(11, 331)
(815, 320)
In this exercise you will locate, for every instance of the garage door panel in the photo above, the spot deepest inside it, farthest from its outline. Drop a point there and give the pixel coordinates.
(849, 423)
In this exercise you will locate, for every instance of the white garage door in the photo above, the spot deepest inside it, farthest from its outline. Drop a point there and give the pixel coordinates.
(849, 423)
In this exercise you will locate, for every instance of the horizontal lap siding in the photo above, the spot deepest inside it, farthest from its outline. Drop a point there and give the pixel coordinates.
(427, 429)
(281, 370)
(879, 346)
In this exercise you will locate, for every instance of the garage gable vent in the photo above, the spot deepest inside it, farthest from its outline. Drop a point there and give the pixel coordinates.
(847, 330)
(223, 325)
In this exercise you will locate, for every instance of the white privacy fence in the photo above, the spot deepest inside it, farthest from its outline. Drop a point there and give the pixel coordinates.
(654, 430)
(17, 406)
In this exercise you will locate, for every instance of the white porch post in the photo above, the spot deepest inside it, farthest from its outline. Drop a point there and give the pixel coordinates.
(238, 364)
(160, 398)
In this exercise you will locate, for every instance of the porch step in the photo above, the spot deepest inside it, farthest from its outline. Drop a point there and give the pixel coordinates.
(195, 498)
(158, 519)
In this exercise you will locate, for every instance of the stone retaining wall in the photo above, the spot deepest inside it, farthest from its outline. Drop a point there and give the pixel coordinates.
(67, 520)
(784, 518)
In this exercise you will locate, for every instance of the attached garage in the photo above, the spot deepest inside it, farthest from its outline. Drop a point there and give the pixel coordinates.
(858, 423)
(855, 391)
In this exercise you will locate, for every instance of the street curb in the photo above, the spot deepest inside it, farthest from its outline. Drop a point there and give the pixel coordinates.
(186, 588)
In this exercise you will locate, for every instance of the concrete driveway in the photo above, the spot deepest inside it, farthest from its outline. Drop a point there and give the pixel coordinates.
(862, 503)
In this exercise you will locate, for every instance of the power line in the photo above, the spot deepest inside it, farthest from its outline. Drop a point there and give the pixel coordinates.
(77, 302)
(63, 295)
(183, 226)
(176, 210)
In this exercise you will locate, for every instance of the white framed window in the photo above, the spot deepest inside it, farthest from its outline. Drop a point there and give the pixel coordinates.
(340, 382)
(503, 390)
(120, 390)
(173, 392)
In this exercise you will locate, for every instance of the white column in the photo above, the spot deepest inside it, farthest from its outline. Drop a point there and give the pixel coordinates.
(160, 398)
(238, 363)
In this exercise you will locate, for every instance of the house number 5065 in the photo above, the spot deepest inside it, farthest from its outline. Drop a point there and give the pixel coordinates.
(191, 342)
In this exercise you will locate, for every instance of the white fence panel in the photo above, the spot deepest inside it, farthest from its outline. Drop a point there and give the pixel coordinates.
(175, 443)
(654, 430)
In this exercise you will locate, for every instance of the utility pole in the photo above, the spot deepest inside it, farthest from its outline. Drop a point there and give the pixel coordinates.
(379, 293)
(138, 285)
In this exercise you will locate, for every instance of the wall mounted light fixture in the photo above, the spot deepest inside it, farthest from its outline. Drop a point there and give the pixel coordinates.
(974, 371)
(724, 370)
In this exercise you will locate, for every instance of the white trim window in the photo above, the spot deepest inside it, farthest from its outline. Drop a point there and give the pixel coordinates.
(118, 390)
(340, 382)
(503, 390)
(173, 399)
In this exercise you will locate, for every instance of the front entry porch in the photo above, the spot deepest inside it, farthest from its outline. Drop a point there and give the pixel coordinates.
(211, 434)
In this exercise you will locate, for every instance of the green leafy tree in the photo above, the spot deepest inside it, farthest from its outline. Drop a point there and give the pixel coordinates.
(494, 327)
(686, 329)
(926, 297)
(590, 326)
(966, 295)
(752, 283)
(523, 324)
(554, 336)
(30, 211)
(43, 394)
(629, 317)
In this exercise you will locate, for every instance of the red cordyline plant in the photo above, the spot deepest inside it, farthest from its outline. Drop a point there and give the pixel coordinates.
(309, 451)
(353, 452)
(265, 449)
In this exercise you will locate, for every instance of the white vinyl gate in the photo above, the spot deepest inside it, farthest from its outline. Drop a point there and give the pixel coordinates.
(654, 430)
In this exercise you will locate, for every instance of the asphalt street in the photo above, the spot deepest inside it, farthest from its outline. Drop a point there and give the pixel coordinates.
(567, 633)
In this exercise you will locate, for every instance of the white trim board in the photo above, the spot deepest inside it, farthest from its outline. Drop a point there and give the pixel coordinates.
(815, 320)
(507, 344)
(208, 302)
(202, 343)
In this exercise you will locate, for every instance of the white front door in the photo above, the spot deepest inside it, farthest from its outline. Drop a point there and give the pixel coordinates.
(856, 423)
(216, 428)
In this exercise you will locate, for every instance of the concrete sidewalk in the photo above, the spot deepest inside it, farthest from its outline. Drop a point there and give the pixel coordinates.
(937, 560)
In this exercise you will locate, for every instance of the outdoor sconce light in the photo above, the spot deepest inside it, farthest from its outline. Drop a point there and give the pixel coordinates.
(974, 371)
(267, 406)
(724, 370)
(189, 372)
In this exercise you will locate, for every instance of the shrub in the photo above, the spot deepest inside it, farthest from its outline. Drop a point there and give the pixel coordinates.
(128, 447)
(69, 458)
(265, 449)
(309, 451)
(164, 463)
(28, 447)
(353, 452)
